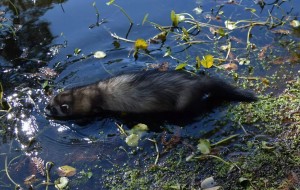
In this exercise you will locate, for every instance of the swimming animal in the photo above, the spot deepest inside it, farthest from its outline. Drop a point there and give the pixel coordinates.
(145, 93)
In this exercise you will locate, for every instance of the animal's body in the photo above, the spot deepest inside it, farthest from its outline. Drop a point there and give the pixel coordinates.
(146, 92)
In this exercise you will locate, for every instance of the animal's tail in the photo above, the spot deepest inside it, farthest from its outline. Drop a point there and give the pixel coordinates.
(243, 96)
(226, 92)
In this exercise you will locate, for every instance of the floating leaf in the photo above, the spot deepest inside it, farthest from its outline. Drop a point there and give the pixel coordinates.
(208, 183)
(224, 47)
(66, 171)
(110, 2)
(198, 10)
(140, 44)
(190, 157)
(99, 54)
(161, 36)
(204, 146)
(132, 140)
(207, 61)
(77, 51)
(198, 62)
(221, 32)
(116, 44)
(88, 174)
(168, 52)
(181, 66)
(139, 128)
(229, 66)
(30, 180)
(251, 10)
(180, 17)
(244, 61)
(135, 134)
(145, 18)
(281, 31)
(45, 84)
(61, 183)
(230, 25)
(295, 23)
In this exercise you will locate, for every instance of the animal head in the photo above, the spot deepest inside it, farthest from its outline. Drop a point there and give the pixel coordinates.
(69, 103)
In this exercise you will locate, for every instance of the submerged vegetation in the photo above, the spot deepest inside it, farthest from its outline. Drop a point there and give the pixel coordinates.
(244, 146)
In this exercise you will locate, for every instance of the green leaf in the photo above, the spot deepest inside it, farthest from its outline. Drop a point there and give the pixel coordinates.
(110, 2)
(45, 84)
(77, 51)
(186, 35)
(132, 140)
(174, 18)
(181, 66)
(168, 52)
(61, 183)
(221, 32)
(230, 25)
(251, 10)
(145, 18)
(207, 61)
(89, 174)
(204, 146)
(244, 61)
(198, 62)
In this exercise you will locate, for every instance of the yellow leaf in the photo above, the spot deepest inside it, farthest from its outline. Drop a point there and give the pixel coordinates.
(207, 61)
(66, 171)
(180, 66)
(140, 44)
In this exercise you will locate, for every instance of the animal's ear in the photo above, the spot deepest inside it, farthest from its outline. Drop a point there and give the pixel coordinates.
(65, 108)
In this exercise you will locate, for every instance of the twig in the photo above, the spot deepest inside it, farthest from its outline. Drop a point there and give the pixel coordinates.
(114, 35)
(7, 174)
(157, 150)
(122, 131)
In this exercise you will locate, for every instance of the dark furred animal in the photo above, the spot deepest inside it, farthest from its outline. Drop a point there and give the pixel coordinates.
(146, 92)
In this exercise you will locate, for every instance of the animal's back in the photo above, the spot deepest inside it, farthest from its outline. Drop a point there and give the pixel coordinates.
(166, 91)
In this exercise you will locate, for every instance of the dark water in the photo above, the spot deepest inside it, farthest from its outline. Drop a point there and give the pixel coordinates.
(47, 34)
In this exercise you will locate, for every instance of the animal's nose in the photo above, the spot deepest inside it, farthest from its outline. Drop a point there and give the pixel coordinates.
(50, 110)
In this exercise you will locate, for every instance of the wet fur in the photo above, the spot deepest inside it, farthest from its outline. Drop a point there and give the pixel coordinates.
(146, 93)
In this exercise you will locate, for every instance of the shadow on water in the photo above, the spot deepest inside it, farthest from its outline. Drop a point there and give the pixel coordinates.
(38, 58)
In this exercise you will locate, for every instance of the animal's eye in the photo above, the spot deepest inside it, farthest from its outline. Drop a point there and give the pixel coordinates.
(64, 108)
